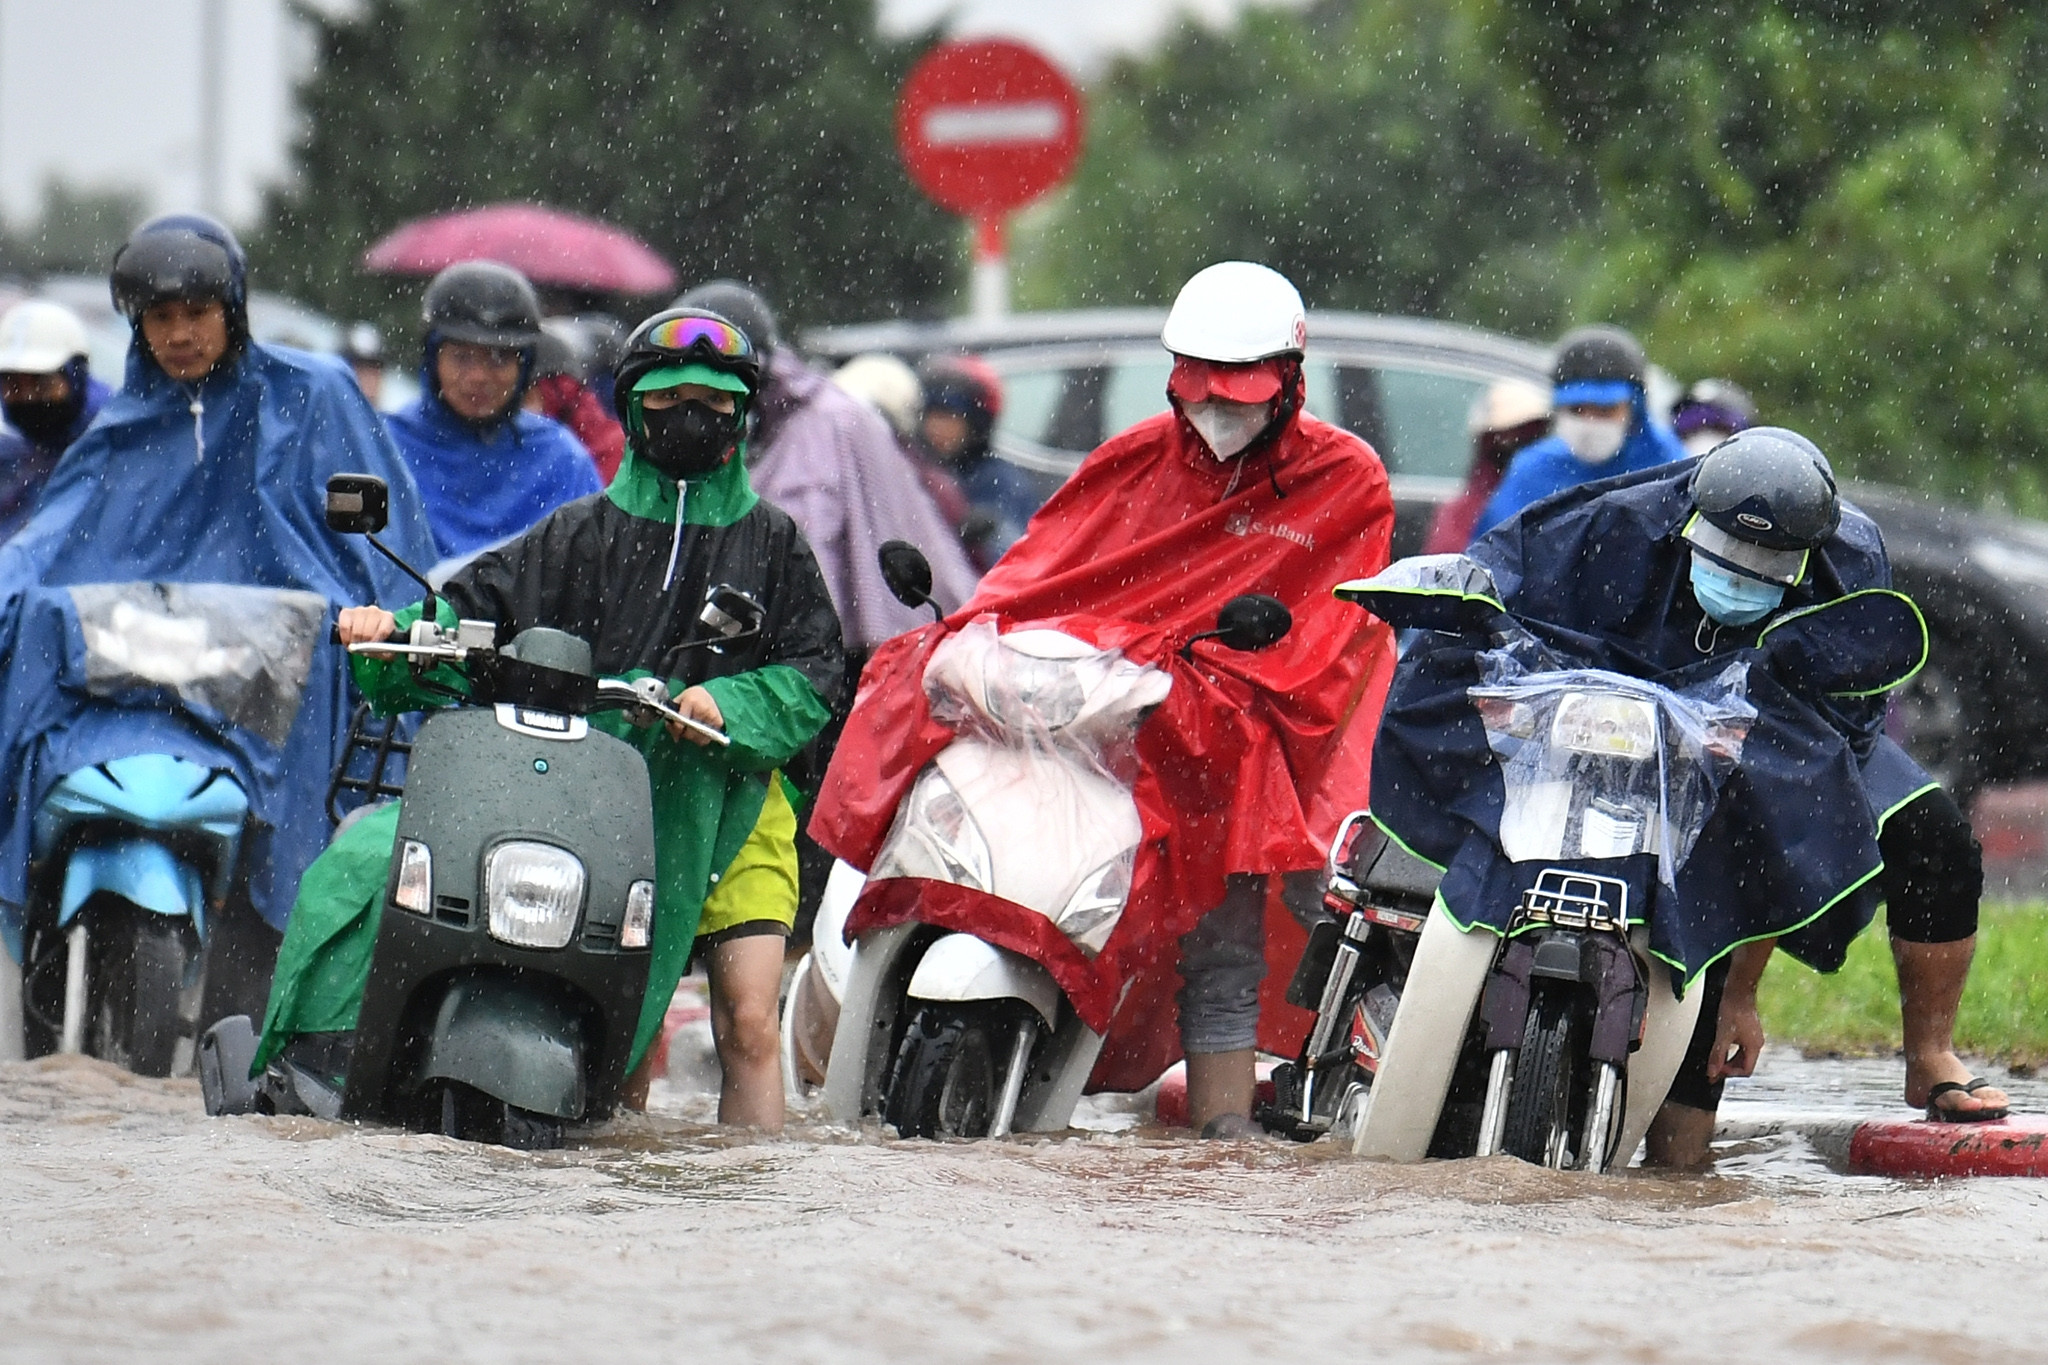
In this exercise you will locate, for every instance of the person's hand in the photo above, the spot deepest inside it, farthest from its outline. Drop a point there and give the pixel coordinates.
(366, 626)
(1738, 1038)
(697, 704)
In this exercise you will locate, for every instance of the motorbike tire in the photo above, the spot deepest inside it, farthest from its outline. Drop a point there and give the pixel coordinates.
(140, 966)
(1540, 1100)
(470, 1115)
(946, 1076)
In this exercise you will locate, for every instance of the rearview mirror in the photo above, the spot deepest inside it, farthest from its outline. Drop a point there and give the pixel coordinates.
(1253, 621)
(732, 613)
(907, 572)
(357, 504)
(1857, 645)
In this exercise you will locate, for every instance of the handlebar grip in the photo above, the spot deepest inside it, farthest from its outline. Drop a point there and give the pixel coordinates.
(334, 634)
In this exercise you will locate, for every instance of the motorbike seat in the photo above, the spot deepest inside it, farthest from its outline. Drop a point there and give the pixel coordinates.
(1381, 866)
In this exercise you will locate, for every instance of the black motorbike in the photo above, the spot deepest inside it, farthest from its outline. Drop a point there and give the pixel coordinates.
(511, 957)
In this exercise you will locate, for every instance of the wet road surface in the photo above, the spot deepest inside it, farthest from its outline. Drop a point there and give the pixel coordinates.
(134, 1228)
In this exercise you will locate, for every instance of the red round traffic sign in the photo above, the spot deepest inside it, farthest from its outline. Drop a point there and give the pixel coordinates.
(987, 125)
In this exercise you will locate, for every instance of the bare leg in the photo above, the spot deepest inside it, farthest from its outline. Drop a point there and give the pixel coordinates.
(1219, 1083)
(633, 1095)
(1931, 977)
(1680, 1138)
(746, 977)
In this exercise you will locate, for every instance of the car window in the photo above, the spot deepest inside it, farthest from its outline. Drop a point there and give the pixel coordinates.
(1136, 390)
(1424, 415)
(1029, 399)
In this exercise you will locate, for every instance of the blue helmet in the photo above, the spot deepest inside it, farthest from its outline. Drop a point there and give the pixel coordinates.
(182, 256)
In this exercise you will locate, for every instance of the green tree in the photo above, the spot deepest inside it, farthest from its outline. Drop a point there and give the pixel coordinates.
(1370, 149)
(747, 140)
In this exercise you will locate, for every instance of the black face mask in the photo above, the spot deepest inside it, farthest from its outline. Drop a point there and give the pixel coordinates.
(45, 424)
(688, 440)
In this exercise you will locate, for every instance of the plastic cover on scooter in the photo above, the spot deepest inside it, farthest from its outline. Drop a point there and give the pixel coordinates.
(1599, 765)
(1044, 723)
(241, 653)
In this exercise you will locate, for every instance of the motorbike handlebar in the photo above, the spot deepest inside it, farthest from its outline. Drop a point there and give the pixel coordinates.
(617, 692)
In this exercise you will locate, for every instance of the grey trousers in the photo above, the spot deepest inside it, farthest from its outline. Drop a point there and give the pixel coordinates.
(1223, 959)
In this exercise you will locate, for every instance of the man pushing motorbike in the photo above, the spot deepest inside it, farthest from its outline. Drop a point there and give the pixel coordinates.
(1666, 569)
(1235, 490)
(630, 571)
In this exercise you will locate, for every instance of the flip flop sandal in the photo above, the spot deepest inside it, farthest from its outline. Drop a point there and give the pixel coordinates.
(1937, 1114)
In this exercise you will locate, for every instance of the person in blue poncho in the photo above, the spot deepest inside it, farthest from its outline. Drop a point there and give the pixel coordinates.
(202, 480)
(487, 468)
(1603, 426)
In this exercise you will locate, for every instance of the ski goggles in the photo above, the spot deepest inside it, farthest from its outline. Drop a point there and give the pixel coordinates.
(713, 334)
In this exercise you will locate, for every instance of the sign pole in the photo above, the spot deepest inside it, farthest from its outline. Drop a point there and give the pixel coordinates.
(990, 291)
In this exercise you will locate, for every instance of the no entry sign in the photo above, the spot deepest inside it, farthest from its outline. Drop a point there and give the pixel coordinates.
(986, 126)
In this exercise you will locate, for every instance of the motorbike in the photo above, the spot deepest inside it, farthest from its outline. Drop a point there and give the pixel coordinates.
(511, 957)
(1556, 1040)
(137, 932)
(944, 1033)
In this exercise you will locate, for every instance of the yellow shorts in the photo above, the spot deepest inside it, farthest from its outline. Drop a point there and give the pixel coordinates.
(757, 893)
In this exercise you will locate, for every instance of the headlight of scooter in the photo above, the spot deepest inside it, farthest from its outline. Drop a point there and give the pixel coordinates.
(534, 892)
(1606, 726)
(1091, 913)
(1030, 692)
(939, 820)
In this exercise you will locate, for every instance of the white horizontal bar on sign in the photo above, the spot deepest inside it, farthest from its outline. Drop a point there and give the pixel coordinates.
(968, 125)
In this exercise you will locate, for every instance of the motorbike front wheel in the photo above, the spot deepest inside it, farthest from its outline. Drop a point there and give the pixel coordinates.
(1540, 1100)
(141, 966)
(472, 1116)
(946, 1080)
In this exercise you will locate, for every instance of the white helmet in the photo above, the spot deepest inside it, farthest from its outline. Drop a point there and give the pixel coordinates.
(39, 337)
(1235, 312)
(887, 385)
(1507, 403)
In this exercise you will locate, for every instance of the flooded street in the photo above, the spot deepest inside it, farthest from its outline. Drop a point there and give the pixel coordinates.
(137, 1228)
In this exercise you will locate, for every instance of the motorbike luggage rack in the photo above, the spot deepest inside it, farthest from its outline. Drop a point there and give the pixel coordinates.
(1575, 900)
(381, 741)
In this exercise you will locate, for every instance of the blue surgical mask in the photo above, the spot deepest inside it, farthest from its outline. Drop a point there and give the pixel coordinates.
(1730, 598)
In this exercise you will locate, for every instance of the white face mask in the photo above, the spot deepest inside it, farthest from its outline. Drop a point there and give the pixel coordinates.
(1704, 440)
(1592, 440)
(1227, 427)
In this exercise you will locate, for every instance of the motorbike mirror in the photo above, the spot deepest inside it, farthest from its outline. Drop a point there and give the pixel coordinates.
(907, 572)
(357, 504)
(1857, 645)
(732, 613)
(1253, 621)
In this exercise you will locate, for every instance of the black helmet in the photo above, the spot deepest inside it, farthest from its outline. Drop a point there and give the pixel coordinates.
(1596, 353)
(485, 304)
(685, 336)
(965, 385)
(731, 299)
(182, 256)
(1764, 497)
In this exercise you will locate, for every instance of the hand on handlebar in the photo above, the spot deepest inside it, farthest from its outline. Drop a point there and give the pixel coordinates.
(697, 704)
(365, 625)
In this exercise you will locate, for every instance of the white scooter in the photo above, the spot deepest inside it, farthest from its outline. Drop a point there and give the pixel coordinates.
(943, 1033)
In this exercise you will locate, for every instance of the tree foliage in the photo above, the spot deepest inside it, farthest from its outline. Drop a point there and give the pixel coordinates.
(739, 139)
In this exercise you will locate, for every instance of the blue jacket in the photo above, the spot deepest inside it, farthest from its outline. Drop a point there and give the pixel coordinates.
(1601, 575)
(484, 487)
(234, 494)
(26, 466)
(1547, 467)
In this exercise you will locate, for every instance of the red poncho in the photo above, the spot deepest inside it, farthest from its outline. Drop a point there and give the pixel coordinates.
(1253, 757)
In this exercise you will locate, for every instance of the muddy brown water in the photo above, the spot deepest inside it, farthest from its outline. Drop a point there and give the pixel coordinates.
(132, 1227)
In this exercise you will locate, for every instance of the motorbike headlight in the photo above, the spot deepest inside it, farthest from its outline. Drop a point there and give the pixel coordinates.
(534, 892)
(415, 878)
(1606, 726)
(1093, 910)
(637, 929)
(1030, 692)
(949, 832)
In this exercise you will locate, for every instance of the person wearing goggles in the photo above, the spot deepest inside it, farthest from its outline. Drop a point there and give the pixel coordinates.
(631, 571)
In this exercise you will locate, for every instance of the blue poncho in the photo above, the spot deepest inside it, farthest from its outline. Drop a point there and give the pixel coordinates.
(485, 487)
(1547, 467)
(232, 493)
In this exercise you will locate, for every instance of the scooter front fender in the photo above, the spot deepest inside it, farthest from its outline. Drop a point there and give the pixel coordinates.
(513, 1043)
(140, 871)
(963, 967)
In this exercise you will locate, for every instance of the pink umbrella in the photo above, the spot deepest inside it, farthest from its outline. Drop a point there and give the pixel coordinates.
(547, 245)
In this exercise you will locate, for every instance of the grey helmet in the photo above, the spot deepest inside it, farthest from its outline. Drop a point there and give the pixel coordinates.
(485, 304)
(1762, 500)
(1598, 353)
(739, 304)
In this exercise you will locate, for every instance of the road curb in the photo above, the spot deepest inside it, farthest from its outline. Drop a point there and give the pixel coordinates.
(1911, 1147)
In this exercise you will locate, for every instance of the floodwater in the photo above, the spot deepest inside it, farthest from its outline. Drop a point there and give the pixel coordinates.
(132, 1227)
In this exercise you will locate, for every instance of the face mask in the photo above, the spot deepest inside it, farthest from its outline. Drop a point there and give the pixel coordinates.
(1592, 440)
(688, 440)
(1227, 427)
(45, 424)
(1733, 599)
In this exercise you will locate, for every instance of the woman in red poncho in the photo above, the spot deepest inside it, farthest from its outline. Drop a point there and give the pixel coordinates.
(1253, 757)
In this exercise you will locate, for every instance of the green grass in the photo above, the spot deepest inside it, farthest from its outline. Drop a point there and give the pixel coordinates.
(2005, 1006)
